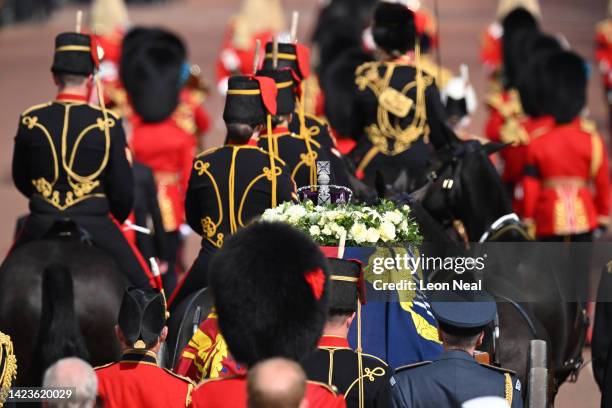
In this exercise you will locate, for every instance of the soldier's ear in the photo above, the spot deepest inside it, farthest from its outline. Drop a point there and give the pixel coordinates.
(163, 334)
(480, 339)
(350, 319)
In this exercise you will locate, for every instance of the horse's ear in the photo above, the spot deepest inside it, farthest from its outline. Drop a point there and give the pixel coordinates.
(419, 195)
(400, 184)
(494, 147)
(361, 190)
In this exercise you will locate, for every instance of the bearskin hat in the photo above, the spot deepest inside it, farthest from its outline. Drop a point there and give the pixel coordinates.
(285, 98)
(518, 20)
(394, 28)
(530, 75)
(142, 316)
(564, 83)
(269, 282)
(249, 100)
(73, 54)
(151, 69)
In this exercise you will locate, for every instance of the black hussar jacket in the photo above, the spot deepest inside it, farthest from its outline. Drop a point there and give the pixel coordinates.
(70, 159)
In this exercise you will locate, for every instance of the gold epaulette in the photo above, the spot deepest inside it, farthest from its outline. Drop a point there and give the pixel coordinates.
(180, 377)
(35, 107)
(409, 366)
(111, 112)
(514, 133)
(605, 27)
(105, 365)
(506, 108)
(588, 126)
(597, 146)
(376, 358)
(208, 151)
(498, 369)
(333, 390)
(441, 74)
(366, 66)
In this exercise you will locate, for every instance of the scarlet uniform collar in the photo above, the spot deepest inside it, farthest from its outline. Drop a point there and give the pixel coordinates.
(280, 130)
(543, 121)
(68, 97)
(139, 357)
(333, 342)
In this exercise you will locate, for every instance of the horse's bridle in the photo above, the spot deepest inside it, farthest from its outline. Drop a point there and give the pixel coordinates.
(502, 225)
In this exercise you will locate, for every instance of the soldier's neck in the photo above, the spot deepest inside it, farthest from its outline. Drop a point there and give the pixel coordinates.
(336, 330)
(80, 90)
(470, 350)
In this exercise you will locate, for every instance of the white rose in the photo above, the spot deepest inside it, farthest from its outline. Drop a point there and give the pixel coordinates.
(338, 230)
(387, 231)
(332, 215)
(394, 217)
(295, 213)
(358, 232)
(404, 226)
(372, 235)
(326, 230)
(314, 230)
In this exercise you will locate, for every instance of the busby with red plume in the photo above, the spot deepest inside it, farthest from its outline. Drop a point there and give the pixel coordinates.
(394, 28)
(269, 283)
(73, 54)
(285, 99)
(151, 66)
(250, 99)
(293, 56)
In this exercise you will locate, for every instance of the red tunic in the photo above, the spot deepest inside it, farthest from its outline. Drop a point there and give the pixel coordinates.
(503, 106)
(603, 50)
(567, 181)
(232, 393)
(137, 381)
(168, 151)
(242, 58)
(520, 133)
(190, 115)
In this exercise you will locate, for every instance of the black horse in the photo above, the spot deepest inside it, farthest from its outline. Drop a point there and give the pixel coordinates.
(59, 299)
(463, 198)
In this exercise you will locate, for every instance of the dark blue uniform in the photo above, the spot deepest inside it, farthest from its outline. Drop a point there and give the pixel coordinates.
(450, 380)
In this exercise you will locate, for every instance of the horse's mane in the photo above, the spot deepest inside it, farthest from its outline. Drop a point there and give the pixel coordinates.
(59, 335)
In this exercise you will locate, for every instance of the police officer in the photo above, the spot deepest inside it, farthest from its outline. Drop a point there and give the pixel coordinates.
(232, 184)
(271, 290)
(70, 161)
(334, 362)
(455, 376)
(397, 110)
(299, 155)
(136, 380)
